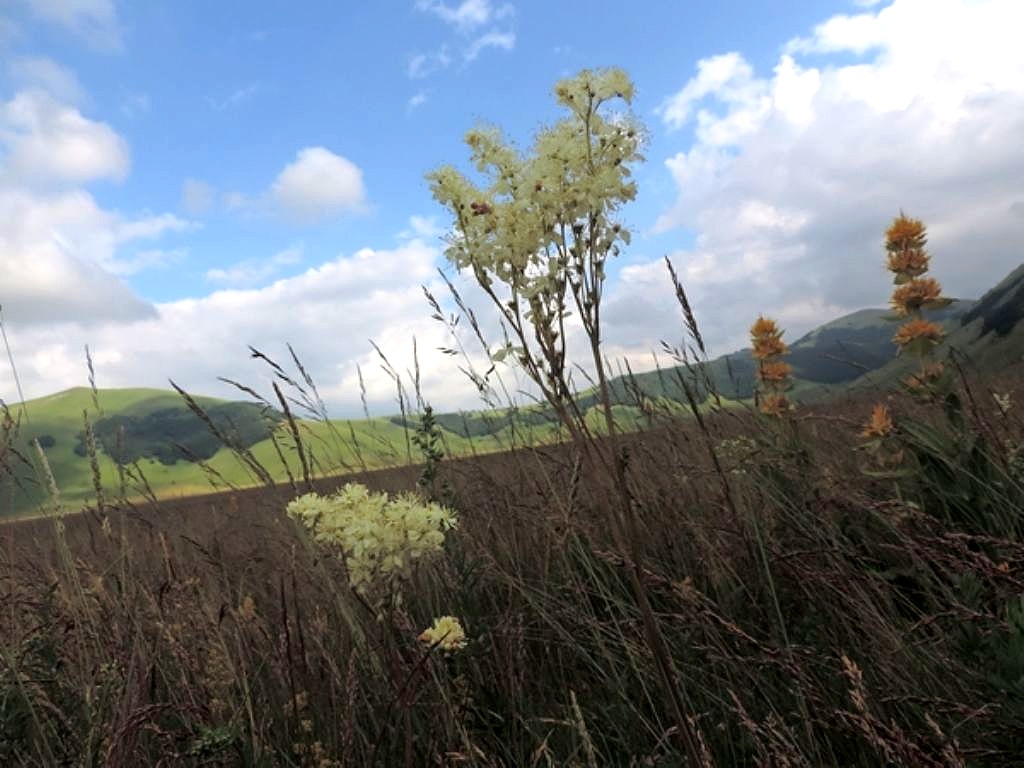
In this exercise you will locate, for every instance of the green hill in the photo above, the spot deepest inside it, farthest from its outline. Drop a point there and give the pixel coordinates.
(135, 425)
(149, 439)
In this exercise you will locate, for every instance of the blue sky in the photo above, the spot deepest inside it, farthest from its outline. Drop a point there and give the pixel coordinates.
(176, 165)
(199, 91)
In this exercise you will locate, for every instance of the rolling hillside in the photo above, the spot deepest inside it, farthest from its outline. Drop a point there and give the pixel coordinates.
(829, 358)
(57, 421)
(166, 449)
(161, 446)
(832, 355)
(989, 335)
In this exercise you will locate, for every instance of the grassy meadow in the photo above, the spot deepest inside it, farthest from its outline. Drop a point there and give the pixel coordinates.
(815, 608)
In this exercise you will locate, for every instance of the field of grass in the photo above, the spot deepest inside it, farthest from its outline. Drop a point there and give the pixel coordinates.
(814, 607)
(764, 559)
(711, 586)
(713, 582)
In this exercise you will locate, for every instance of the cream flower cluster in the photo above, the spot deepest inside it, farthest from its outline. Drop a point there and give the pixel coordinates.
(530, 225)
(379, 537)
(446, 633)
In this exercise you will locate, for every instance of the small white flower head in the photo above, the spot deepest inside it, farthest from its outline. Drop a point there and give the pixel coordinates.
(380, 538)
(446, 634)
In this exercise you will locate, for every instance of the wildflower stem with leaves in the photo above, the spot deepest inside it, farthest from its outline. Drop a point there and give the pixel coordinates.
(773, 373)
(908, 260)
(537, 237)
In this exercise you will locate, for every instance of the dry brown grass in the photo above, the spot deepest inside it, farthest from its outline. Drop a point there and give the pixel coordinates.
(816, 615)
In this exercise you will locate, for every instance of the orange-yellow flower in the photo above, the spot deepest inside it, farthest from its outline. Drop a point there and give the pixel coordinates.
(880, 424)
(764, 326)
(769, 347)
(918, 329)
(905, 241)
(906, 234)
(774, 404)
(774, 372)
(911, 296)
(908, 263)
(766, 339)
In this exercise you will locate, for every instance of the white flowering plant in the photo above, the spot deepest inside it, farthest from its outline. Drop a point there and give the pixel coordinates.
(537, 236)
(538, 233)
(379, 537)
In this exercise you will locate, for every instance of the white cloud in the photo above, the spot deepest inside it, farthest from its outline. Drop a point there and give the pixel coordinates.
(732, 82)
(46, 142)
(422, 227)
(856, 34)
(468, 15)
(197, 196)
(60, 257)
(150, 227)
(254, 271)
(793, 175)
(328, 313)
(506, 41)
(417, 65)
(319, 184)
(236, 98)
(794, 91)
(57, 254)
(468, 19)
(93, 20)
(61, 253)
(39, 72)
(423, 65)
(418, 99)
(809, 312)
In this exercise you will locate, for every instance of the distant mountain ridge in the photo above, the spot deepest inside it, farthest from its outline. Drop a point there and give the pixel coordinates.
(852, 351)
(832, 356)
(856, 350)
(990, 334)
(837, 352)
